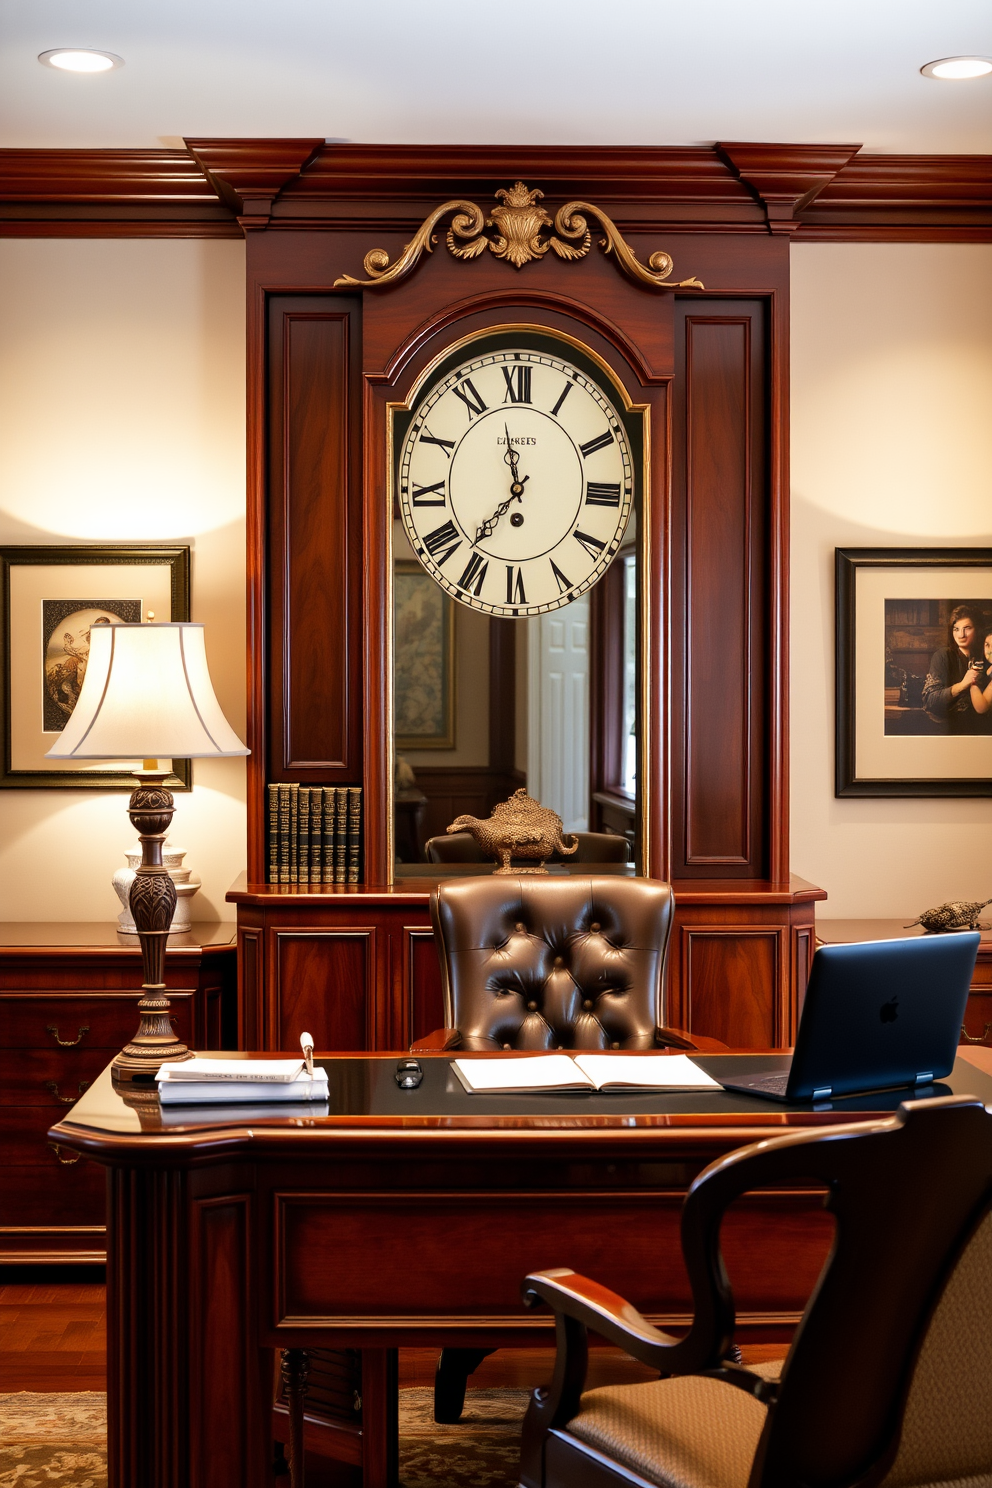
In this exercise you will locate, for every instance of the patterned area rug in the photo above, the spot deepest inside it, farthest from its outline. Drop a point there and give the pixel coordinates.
(59, 1441)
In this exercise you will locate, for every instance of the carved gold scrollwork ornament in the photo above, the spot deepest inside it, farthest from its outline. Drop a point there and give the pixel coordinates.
(519, 230)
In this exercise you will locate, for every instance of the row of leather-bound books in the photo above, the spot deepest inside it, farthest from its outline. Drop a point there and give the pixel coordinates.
(314, 834)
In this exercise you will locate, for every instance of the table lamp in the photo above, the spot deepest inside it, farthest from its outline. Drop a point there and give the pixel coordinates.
(147, 695)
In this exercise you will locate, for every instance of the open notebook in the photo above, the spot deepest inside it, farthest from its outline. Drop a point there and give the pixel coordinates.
(498, 1075)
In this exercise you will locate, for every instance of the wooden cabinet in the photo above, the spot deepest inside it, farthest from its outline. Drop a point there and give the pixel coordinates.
(357, 966)
(68, 999)
(333, 354)
(978, 1015)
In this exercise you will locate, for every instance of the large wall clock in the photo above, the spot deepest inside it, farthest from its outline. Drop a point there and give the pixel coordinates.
(516, 474)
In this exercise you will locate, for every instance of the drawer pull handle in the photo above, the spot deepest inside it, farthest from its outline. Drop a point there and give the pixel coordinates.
(66, 1100)
(982, 1038)
(66, 1162)
(53, 1029)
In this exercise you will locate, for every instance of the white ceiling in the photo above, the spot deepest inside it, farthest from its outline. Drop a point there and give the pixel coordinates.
(499, 71)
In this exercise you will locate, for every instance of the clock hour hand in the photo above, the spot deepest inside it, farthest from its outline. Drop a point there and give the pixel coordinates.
(512, 459)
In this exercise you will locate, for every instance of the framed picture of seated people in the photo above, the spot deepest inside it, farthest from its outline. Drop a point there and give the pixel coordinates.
(50, 599)
(913, 671)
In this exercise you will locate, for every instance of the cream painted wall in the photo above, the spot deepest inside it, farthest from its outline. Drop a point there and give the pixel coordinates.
(891, 447)
(122, 411)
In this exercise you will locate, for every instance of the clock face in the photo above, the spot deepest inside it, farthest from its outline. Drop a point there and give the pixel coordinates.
(515, 482)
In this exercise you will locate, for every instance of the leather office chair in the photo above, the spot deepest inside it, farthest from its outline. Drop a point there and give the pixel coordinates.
(889, 1378)
(548, 963)
(594, 847)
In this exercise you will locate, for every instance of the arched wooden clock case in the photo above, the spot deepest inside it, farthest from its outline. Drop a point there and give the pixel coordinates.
(327, 366)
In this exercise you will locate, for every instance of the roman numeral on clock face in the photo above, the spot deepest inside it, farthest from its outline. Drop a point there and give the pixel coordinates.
(563, 395)
(602, 493)
(515, 586)
(517, 384)
(600, 442)
(422, 494)
(563, 584)
(471, 397)
(443, 444)
(475, 572)
(592, 545)
(446, 537)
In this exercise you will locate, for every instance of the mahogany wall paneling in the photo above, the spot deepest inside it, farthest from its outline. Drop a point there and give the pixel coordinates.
(720, 439)
(735, 979)
(456, 790)
(421, 998)
(324, 980)
(249, 956)
(315, 540)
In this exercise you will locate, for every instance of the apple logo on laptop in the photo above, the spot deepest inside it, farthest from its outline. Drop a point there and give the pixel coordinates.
(889, 1011)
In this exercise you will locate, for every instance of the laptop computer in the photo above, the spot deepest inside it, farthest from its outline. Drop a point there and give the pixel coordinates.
(877, 1015)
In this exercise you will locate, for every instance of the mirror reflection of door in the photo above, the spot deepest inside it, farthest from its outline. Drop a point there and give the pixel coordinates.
(484, 706)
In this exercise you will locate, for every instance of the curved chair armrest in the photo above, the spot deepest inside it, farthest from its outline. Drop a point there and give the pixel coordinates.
(437, 1042)
(611, 1316)
(677, 1038)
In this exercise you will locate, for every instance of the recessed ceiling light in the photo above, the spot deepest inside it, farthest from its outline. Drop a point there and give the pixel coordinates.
(955, 68)
(80, 59)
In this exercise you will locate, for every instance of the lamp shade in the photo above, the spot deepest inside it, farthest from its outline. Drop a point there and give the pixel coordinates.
(146, 694)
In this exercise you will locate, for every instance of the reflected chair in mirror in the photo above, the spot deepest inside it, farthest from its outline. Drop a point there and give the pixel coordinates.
(889, 1377)
(594, 847)
(535, 963)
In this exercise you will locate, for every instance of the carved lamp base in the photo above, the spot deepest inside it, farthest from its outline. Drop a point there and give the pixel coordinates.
(152, 902)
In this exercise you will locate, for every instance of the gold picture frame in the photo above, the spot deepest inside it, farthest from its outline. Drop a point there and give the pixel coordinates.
(424, 660)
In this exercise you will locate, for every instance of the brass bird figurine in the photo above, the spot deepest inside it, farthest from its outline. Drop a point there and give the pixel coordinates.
(518, 828)
(957, 914)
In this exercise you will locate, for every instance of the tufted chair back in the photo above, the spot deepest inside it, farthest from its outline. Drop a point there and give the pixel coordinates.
(553, 963)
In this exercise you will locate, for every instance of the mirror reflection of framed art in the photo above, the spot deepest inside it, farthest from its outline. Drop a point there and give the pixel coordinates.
(914, 672)
(424, 660)
(50, 599)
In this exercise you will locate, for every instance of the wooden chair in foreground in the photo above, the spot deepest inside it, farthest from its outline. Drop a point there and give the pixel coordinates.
(889, 1378)
(530, 963)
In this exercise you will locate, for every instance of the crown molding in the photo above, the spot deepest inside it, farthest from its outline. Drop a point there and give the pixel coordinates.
(108, 193)
(226, 187)
(249, 180)
(786, 178)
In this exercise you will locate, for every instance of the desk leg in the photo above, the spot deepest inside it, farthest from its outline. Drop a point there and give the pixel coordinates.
(380, 1418)
(187, 1385)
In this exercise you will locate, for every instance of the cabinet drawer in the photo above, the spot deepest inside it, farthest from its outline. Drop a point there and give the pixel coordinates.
(54, 1193)
(77, 1020)
(26, 1075)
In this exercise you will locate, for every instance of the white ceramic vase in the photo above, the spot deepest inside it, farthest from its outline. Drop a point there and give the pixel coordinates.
(186, 887)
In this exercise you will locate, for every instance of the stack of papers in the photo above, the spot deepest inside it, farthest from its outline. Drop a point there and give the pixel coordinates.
(239, 1080)
(498, 1075)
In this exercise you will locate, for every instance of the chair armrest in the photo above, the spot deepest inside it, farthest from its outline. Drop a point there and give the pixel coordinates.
(607, 1313)
(677, 1038)
(437, 1042)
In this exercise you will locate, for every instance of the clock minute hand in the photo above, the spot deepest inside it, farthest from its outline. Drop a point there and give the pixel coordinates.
(489, 525)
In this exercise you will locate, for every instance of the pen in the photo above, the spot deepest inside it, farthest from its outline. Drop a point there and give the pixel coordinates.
(306, 1044)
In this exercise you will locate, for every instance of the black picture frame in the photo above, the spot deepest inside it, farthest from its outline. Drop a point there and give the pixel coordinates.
(71, 559)
(932, 563)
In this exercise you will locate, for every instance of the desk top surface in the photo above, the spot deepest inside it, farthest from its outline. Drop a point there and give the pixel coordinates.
(366, 1105)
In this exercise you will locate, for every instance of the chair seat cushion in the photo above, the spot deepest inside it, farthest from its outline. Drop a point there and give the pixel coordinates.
(687, 1432)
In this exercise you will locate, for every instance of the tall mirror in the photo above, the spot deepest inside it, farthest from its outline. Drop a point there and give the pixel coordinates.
(516, 621)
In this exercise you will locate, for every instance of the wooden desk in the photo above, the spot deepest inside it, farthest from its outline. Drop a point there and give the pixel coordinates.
(405, 1218)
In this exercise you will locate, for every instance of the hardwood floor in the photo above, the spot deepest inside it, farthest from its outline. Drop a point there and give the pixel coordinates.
(53, 1338)
(52, 1335)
